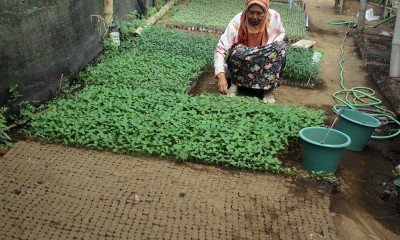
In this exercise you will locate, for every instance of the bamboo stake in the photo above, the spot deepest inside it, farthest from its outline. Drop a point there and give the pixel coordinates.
(154, 18)
(361, 16)
(108, 12)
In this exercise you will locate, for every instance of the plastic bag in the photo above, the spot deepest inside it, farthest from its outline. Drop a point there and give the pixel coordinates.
(369, 15)
(317, 56)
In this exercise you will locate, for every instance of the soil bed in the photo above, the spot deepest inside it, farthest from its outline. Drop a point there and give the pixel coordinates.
(53, 191)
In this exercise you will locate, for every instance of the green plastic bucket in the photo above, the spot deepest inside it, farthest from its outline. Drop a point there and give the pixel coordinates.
(322, 156)
(358, 126)
(397, 183)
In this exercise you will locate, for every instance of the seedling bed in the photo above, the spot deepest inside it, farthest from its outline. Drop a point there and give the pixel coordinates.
(219, 31)
(373, 47)
(288, 82)
(213, 17)
(135, 103)
(300, 70)
(191, 27)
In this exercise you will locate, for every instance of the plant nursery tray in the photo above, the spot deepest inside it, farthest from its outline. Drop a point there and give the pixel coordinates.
(304, 43)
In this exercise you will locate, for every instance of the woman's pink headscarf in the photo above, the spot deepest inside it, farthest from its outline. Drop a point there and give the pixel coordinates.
(249, 35)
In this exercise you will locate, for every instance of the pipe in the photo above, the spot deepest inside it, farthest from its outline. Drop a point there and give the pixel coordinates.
(394, 70)
(108, 12)
(361, 16)
(384, 21)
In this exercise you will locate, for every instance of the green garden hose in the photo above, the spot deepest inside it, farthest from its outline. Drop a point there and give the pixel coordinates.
(360, 98)
(341, 22)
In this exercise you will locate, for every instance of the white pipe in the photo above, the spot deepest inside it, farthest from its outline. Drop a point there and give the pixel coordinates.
(395, 54)
(108, 12)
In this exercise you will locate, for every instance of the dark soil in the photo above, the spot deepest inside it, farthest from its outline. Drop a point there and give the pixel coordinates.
(374, 47)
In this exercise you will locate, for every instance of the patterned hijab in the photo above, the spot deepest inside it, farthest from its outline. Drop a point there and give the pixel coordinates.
(250, 35)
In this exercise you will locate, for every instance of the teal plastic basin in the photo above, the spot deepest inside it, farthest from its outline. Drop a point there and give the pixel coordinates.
(397, 183)
(358, 126)
(322, 156)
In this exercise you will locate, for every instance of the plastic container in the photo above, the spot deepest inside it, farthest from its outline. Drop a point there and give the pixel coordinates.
(358, 126)
(397, 183)
(319, 155)
(317, 56)
(114, 36)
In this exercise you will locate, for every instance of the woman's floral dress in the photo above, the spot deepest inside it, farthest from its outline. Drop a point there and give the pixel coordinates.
(257, 67)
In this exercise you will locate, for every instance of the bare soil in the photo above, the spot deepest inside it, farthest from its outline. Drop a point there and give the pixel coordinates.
(58, 192)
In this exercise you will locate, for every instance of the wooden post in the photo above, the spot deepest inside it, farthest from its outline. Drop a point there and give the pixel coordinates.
(365, 52)
(108, 12)
(384, 9)
(154, 18)
(341, 7)
(394, 70)
(361, 16)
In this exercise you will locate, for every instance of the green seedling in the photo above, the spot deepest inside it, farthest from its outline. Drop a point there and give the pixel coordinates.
(13, 91)
(134, 103)
(217, 14)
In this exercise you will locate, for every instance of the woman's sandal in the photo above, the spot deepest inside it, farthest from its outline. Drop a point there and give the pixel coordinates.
(268, 98)
(232, 92)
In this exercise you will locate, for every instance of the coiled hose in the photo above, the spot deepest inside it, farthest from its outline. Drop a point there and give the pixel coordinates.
(360, 98)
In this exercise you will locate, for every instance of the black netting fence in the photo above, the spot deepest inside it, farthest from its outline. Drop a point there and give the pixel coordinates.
(42, 40)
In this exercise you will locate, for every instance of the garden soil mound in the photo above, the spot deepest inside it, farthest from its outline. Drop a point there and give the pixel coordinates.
(52, 191)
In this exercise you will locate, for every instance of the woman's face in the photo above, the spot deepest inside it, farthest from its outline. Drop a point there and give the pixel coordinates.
(255, 14)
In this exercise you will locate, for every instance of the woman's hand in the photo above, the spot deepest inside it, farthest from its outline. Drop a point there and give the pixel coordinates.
(222, 83)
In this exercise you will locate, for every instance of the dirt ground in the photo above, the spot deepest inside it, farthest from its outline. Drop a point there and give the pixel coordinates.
(52, 192)
(364, 204)
(57, 192)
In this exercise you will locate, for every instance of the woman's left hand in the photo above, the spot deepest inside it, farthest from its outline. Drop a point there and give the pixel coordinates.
(222, 83)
